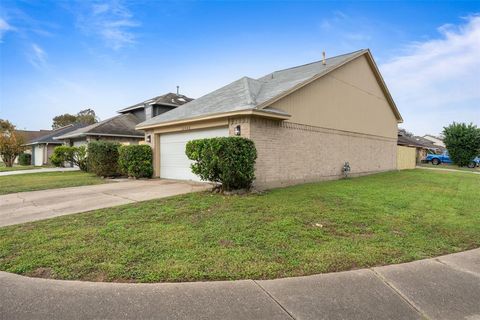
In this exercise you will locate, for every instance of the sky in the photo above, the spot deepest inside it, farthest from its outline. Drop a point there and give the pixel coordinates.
(65, 56)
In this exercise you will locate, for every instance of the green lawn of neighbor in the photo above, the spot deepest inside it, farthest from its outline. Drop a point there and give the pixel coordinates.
(449, 166)
(313, 228)
(3, 168)
(46, 180)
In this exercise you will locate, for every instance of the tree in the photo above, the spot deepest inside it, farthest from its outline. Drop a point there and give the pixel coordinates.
(405, 132)
(11, 142)
(85, 117)
(63, 120)
(462, 142)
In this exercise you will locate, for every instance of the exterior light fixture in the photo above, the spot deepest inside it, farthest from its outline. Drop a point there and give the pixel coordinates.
(237, 130)
(149, 138)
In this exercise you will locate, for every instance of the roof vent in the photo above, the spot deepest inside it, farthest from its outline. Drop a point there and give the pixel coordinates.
(324, 62)
(178, 90)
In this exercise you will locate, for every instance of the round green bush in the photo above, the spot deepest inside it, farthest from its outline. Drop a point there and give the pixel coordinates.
(65, 154)
(25, 159)
(229, 161)
(136, 161)
(102, 158)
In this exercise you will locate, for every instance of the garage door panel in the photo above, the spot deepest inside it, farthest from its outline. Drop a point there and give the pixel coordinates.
(174, 163)
(38, 155)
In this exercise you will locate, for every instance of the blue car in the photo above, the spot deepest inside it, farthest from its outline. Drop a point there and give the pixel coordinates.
(437, 159)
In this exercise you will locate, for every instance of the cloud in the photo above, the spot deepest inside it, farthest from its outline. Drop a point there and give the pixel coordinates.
(37, 56)
(4, 28)
(437, 81)
(346, 31)
(111, 21)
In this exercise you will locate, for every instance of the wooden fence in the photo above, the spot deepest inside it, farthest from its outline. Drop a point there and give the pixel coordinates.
(406, 157)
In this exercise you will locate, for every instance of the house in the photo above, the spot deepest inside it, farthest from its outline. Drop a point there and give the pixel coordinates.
(41, 148)
(305, 121)
(121, 128)
(438, 141)
(432, 147)
(153, 107)
(411, 152)
(29, 135)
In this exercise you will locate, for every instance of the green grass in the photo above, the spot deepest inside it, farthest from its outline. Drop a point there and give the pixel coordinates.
(46, 180)
(331, 226)
(15, 167)
(449, 166)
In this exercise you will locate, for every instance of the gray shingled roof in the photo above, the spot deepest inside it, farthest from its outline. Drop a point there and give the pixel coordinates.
(121, 125)
(410, 141)
(247, 93)
(169, 99)
(50, 137)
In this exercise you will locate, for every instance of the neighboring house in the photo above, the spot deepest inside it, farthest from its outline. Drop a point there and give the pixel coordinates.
(421, 150)
(153, 107)
(434, 148)
(121, 128)
(306, 122)
(41, 148)
(29, 135)
(438, 141)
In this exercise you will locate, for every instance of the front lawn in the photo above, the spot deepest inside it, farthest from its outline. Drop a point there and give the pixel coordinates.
(15, 167)
(449, 166)
(331, 226)
(46, 180)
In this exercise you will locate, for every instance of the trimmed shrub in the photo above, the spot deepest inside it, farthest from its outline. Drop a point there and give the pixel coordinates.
(226, 160)
(75, 155)
(103, 158)
(462, 142)
(61, 155)
(25, 159)
(136, 161)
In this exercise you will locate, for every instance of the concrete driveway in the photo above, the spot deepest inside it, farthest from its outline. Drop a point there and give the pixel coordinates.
(37, 205)
(447, 287)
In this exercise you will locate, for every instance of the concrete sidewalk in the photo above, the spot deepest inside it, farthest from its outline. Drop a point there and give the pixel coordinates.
(40, 170)
(447, 287)
(43, 204)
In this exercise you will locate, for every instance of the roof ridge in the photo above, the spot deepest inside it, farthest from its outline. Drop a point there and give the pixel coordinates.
(317, 61)
(251, 99)
(63, 127)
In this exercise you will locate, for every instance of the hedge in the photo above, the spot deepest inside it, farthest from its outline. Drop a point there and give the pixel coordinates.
(102, 158)
(226, 160)
(136, 161)
(66, 154)
(25, 159)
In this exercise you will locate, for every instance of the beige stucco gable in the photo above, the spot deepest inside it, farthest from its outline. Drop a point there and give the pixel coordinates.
(350, 98)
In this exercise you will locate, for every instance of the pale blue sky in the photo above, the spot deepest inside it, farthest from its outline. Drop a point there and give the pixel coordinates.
(64, 56)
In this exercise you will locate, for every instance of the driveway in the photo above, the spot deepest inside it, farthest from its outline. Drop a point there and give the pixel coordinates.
(447, 287)
(37, 205)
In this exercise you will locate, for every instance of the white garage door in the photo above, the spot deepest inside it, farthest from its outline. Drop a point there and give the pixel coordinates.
(174, 164)
(38, 155)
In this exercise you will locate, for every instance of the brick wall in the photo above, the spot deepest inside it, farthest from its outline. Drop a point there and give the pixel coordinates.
(291, 153)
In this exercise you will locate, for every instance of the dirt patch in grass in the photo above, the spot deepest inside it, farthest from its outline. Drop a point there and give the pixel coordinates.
(41, 273)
